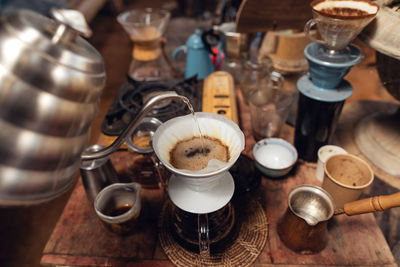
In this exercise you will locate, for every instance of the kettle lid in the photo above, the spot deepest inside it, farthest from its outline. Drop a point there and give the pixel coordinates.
(58, 38)
(195, 41)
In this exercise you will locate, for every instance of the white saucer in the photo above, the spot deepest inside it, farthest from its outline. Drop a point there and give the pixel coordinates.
(201, 202)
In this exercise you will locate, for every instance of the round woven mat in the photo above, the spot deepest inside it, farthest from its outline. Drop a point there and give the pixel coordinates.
(242, 250)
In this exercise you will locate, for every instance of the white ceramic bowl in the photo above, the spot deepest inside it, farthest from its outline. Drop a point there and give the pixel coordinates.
(274, 157)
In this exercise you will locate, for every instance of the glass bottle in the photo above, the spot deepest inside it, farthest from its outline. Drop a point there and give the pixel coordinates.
(256, 77)
(269, 108)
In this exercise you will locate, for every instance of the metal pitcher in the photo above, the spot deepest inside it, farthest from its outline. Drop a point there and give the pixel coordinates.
(50, 85)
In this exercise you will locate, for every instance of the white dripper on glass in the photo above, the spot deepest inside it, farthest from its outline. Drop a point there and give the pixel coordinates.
(208, 189)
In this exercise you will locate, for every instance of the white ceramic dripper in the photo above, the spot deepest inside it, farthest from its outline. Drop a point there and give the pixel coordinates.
(211, 188)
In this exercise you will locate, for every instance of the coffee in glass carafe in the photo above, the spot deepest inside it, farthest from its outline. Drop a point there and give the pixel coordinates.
(145, 27)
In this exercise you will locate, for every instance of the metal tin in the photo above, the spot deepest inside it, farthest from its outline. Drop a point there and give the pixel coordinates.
(97, 174)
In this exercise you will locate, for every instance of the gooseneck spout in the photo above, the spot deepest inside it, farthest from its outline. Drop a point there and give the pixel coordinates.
(131, 126)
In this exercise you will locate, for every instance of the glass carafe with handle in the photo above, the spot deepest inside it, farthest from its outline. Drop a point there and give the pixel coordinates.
(256, 76)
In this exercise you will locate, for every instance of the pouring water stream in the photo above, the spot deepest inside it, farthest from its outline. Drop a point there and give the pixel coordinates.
(190, 107)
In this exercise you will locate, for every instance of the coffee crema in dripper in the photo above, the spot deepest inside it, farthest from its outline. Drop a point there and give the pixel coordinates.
(195, 153)
(345, 9)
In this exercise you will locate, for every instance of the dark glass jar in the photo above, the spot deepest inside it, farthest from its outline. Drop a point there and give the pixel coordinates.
(315, 125)
(317, 116)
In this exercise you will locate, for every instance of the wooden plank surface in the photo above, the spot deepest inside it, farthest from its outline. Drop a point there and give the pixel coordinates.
(266, 15)
(79, 238)
(352, 241)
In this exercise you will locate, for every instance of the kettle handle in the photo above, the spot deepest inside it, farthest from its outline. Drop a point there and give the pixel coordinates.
(307, 30)
(176, 53)
(204, 235)
(219, 57)
(211, 41)
(130, 128)
(377, 203)
(71, 22)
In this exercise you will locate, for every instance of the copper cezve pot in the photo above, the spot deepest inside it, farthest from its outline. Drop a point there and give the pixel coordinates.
(303, 227)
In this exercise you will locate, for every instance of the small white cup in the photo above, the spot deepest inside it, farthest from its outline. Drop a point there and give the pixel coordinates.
(323, 154)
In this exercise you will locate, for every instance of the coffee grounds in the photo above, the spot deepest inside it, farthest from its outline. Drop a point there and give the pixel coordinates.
(190, 154)
(343, 11)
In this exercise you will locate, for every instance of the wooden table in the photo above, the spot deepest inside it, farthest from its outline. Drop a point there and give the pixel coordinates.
(80, 239)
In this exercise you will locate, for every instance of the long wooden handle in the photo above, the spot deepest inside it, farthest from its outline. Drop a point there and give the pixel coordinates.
(377, 203)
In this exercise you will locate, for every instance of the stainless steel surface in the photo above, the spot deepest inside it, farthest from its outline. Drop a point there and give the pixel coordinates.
(97, 174)
(148, 126)
(132, 125)
(28, 31)
(70, 19)
(66, 118)
(25, 186)
(311, 203)
(50, 85)
(29, 150)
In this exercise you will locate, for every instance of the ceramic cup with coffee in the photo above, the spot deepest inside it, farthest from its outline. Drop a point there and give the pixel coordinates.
(346, 176)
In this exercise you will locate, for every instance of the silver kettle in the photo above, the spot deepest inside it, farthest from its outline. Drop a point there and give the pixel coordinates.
(51, 80)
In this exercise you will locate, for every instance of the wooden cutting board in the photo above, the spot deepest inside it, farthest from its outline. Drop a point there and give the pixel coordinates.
(264, 15)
